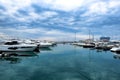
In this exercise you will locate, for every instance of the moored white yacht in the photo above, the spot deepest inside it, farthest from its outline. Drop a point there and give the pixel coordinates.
(89, 45)
(115, 49)
(81, 44)
(15, 46)
(44, 44)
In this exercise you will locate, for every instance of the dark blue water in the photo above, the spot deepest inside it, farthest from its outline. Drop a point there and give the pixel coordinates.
(63, 62)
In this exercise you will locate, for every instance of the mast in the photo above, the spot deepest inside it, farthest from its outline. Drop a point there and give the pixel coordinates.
(89, 34)
(75, 36)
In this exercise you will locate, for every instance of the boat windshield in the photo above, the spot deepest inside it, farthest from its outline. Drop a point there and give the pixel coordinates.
(12, 43)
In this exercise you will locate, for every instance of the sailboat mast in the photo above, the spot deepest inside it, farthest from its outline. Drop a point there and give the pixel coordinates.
(89, 34)
(75, 36)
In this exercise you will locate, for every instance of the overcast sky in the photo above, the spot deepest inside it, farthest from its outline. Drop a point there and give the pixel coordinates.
(60, 19)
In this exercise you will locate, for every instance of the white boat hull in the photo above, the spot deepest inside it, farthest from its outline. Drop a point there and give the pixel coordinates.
(44, 45)
(12, 48)
(115, 49)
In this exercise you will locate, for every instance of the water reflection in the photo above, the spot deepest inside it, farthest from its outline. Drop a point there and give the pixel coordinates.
(64, 62)
(16, 57)
(11, 60)
(116, 56)
(46, 49)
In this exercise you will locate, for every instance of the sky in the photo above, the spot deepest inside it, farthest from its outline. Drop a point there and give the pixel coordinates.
(60, 19)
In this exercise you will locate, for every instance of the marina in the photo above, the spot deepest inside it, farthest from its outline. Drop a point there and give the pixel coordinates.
(59, 40)
(62, 62)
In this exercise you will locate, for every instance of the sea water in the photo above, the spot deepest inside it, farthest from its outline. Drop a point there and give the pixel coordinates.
(62, 62)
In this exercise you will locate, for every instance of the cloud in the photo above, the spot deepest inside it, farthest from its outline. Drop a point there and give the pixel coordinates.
(42, 33)
(11, 7)
(53, 18)
(102, 7)
(32, 16)
(64, 5)
(3, 36)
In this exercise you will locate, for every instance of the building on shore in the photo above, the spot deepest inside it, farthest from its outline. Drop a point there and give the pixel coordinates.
(105, 39)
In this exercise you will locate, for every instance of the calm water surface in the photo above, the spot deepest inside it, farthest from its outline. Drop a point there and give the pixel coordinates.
(62, 62)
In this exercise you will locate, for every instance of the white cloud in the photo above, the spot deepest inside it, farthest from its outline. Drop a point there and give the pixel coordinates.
(44, 34)
(94, 11)
(114, 3)
(3, 36)
(97, 8)
(93, 6)
(24, 30)
(67, 5)
(33, 16)
(49, 13)
(64, 5)
(13, 5)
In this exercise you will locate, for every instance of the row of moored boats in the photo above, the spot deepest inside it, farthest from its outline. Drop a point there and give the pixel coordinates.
(28, 45)
(112, 46)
